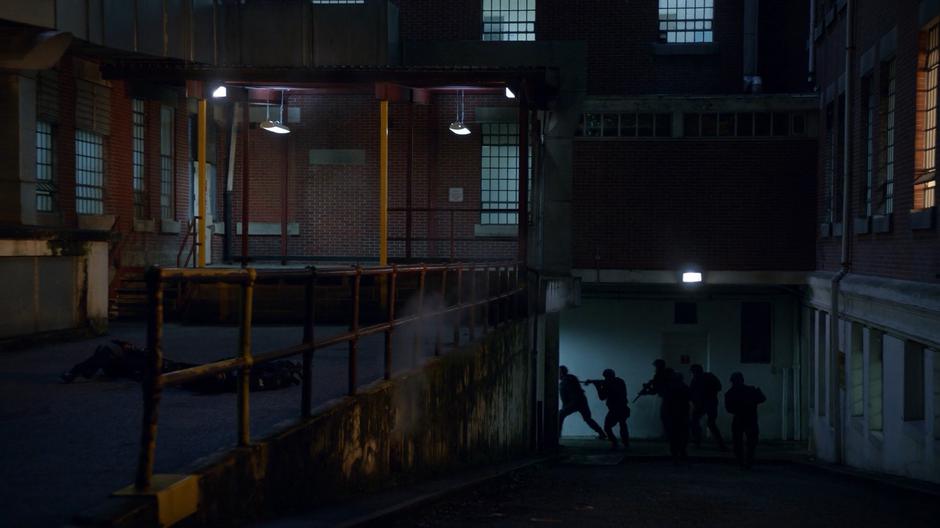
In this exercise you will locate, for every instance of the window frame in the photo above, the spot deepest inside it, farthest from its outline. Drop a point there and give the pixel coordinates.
(45, 167)
(506, 135)
(138, 156)
(167, 162)
(703, 13)
(89, 172)
(492, 17)
(887, 119)
(925, 178)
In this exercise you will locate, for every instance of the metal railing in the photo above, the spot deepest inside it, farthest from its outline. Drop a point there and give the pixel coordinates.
(492, 292)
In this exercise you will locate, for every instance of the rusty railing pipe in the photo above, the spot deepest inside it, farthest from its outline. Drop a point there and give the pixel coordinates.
(152, 385)
(244, 382)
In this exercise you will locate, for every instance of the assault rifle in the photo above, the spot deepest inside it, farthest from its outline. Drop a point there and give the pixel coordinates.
(646, 391)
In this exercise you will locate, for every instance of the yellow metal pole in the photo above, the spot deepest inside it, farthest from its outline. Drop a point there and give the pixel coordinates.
(201, 182)
(383, 182)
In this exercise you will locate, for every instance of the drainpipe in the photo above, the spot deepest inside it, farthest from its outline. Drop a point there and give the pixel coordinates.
(835, 400)
(229, 184)
(811, 43)
(752, 80)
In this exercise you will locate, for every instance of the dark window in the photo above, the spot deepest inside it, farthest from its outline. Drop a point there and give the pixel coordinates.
(781, 124)
(690, 125)
(686, 313)
(710, 125)
(762, 124)
(663, 125)
(611, 126)
(756, 332)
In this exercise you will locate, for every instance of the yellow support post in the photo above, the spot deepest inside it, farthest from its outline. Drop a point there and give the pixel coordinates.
(201, 230)
(383, 183)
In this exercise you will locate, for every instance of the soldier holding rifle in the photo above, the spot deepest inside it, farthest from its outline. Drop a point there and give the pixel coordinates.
(613, 391)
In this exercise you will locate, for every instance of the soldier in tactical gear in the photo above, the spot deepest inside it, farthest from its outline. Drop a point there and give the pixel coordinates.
(657, 386)
(573, 400)
(742, 400)
(704, 389)
(676, 416)
(613, 391)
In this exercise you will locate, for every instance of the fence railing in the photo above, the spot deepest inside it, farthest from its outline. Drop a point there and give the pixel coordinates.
(487, 293)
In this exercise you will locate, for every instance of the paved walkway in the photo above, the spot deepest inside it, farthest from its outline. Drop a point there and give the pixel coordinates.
(65, 447)
(597, 489)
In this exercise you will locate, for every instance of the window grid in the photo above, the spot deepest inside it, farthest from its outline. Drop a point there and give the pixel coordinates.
(339, 1)
(925, 185)
(686, 21)
(89, 172)
(509, 20)
(744, 124)
(870, 103)
(140, 194)
(45, 168)
(626, 125)
(499, 185)
(886, 159)
(166, 162)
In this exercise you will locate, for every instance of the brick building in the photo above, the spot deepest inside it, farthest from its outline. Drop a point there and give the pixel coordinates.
(668, 136)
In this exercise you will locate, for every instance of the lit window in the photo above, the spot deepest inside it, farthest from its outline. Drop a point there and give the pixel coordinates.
(509, 20)
(868, 98)
(499, 185)
(166, 162)
(925, 185)
(45, 168)
(885, 204)
(686, 21)
(89, 172)
(140, 195)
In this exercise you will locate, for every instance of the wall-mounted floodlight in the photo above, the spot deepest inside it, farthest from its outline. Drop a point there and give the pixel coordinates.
(220, 92)
(277, 127)
(692, 277)
(457, 127)
(509, 94)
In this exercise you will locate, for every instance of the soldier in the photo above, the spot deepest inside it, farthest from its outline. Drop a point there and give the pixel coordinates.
(742, 401)
(704, 389)
(657, 386)
(613, 390)
(573, 400)
(676, 416)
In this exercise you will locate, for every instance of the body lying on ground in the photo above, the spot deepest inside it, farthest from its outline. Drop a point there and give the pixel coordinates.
(122, 359)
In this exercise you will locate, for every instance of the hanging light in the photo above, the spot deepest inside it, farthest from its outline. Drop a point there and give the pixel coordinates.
(510, 94)
(457, 127)
(277, 127)
(220, 92)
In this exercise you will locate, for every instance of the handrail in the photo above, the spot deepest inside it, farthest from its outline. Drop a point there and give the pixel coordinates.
(504, 302)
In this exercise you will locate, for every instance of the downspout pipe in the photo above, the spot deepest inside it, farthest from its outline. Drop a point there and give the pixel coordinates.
(835, 397)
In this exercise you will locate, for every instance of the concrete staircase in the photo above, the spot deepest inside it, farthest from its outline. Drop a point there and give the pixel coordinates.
(128, 299)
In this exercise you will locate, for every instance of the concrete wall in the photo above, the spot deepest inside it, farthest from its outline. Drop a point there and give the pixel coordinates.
(881, 317)
(628, 334)
(467, 407)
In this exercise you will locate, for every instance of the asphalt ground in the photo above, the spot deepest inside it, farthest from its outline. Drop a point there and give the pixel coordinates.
(66, 447)
(637, 492)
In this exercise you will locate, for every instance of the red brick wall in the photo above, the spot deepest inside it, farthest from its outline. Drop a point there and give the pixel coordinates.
(724, 205)
(903, 253)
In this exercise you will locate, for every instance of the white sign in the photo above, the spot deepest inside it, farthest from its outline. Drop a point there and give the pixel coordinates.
(455, 194)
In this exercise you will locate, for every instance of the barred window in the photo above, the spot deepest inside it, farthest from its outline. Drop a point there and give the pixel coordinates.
(509, 20)
(45, 168)
(886, 158)
(686, 21)
(499, 185)
(89, 172)
(926, 182)
(829, 165)
(166, 162)
(339, 1)
(140, 195)
(626, 125)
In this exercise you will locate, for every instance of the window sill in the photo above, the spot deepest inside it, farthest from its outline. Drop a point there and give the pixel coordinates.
(862, 226)
(488, 230)
(96, 222)
(701, 48)
(881, 223)
(144, 225)
(922, 219)
(169, 226)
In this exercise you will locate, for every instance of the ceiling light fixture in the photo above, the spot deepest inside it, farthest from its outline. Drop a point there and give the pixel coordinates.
(457, 127)
(277, 127)
(220, 92)
(692, 277)
(509, 94)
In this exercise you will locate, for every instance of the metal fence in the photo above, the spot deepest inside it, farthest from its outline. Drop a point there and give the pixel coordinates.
(490, 293)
